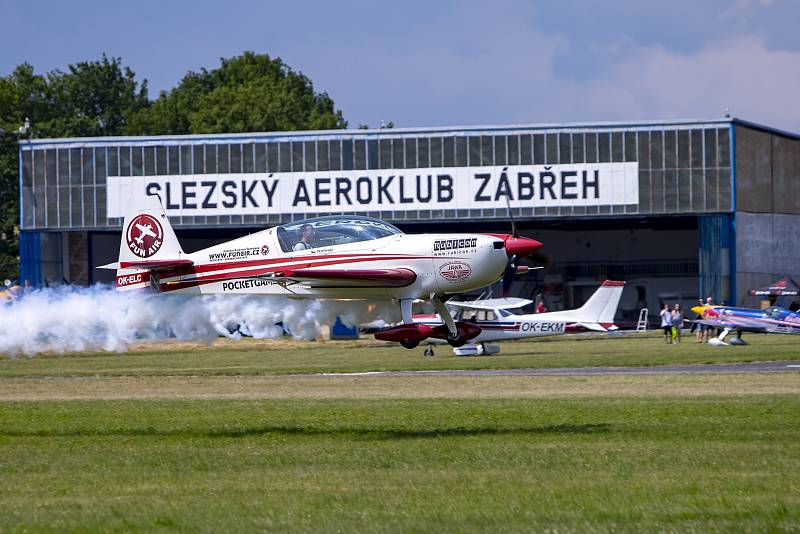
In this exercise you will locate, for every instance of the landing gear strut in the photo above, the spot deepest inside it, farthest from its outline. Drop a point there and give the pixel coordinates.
(720, 340)
(405, 310)
(409, 334)
(738, 339)
(454, 338)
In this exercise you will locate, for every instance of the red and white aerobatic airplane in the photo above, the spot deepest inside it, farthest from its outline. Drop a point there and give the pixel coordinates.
(335, 257)
(502, 319)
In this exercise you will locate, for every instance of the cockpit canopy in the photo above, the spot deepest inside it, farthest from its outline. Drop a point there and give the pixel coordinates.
(776, 312)
(332, 230)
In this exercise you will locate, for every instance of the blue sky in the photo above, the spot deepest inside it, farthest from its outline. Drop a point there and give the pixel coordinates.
(422, 63)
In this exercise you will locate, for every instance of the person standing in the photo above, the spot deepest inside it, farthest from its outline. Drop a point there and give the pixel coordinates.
(700, 329)
(709, 331)
(677, 323)
(666, 323)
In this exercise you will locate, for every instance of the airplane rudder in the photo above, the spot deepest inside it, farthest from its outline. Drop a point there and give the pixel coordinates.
(600, 303)
(147, 232)
(612, 303)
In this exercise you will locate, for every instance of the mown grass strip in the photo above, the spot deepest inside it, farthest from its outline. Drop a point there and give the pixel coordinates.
(409, 387)
(267, 357)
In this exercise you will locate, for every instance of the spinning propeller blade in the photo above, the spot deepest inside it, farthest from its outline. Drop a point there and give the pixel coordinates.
(511, 268)
(508, 275)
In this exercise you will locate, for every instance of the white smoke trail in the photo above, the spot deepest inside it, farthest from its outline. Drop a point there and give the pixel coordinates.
(69, 319)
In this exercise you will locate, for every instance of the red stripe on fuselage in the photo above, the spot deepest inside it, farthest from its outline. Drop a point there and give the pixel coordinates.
(293, 261)
(506, 327)
(207, 267)
(253, 273)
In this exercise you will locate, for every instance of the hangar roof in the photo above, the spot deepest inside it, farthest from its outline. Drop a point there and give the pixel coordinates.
(465, 130)
(556, 170)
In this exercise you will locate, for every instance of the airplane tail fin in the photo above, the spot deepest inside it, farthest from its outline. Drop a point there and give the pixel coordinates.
(148, 245)
(598, 312)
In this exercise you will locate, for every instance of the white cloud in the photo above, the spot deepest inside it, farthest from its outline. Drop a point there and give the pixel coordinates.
(498, 66)
(743, 75)
(483, 64)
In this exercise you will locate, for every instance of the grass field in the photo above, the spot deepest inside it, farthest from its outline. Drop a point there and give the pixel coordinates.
(275, 357)
(245, 437)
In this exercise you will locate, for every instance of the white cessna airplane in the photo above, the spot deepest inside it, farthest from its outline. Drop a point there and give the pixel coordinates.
(502, 319)
(335, 257)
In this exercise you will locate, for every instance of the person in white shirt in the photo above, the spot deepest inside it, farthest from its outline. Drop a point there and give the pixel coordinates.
(305, 239)
(666, 323)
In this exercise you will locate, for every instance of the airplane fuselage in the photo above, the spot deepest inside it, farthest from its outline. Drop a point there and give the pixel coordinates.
(512, 327)
(772, 320)
(256, 265)
(332, 257)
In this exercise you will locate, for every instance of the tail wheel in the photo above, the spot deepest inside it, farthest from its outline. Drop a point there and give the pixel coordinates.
(409, 344)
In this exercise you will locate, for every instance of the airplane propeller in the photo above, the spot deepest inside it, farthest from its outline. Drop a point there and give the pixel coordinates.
(513, 260)
(511, 214)
(508, 275)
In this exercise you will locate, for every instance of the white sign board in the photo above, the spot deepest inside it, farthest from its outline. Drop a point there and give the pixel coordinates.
(579, 184)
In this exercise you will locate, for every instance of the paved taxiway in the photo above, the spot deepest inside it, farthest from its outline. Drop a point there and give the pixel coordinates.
(716, 368)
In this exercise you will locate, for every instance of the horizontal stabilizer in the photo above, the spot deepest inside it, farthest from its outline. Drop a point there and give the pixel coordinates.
(593, 327)
(719, 322)
(152, 265)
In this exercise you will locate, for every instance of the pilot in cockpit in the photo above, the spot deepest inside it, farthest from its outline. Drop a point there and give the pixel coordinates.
(306, 235)
(775, 312)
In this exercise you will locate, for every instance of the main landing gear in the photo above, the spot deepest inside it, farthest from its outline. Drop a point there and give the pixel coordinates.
(410, 334)
(719, 341)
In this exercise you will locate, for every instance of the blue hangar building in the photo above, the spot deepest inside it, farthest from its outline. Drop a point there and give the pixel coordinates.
(679, 209)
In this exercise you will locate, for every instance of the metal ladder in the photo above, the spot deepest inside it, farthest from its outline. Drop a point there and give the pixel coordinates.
(641, 324)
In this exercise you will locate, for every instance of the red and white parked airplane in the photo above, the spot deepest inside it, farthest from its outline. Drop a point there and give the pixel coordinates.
(503, 319)
(335, 257)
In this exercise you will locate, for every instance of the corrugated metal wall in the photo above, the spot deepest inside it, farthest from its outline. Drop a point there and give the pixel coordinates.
(717, 261)
(683, 169)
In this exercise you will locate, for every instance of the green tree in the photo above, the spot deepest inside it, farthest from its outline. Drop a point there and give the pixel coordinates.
(93, 98)
(22, 94)
(251, 92)
(247, 93)
(9, 208)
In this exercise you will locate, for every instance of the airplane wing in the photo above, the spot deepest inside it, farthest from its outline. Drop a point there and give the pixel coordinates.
(724, 323)
(338, 278)
(353, 277)
(491, 304)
